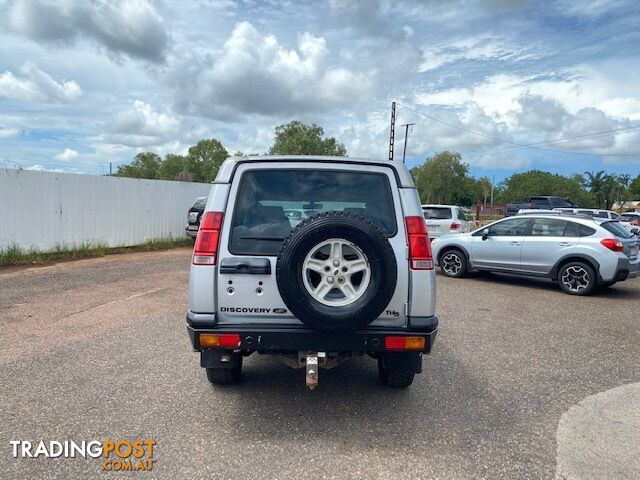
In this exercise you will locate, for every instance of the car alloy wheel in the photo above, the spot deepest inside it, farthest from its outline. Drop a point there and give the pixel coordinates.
(576, 278)
(336, 272)
(451, 264)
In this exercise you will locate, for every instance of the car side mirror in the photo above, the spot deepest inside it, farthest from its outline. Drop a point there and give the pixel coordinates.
(485, 234)
(636, 231)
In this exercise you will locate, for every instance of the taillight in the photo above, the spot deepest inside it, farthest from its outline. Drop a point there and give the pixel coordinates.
(206, 247)
(404, 343)
(227, 340)
(455, 226)
(419, 246)
(612, 244)
(635, 223)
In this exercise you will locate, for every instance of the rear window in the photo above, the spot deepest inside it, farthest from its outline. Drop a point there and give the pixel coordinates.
(200, 203)
(560, 202)
(271, 202)
(437, 213)
(617, 229)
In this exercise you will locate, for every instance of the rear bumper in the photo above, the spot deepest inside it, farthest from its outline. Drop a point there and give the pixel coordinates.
(191, 233)
(293, 338)
(626, 269)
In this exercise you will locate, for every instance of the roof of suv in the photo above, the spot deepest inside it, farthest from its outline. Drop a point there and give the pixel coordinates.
(228, 167)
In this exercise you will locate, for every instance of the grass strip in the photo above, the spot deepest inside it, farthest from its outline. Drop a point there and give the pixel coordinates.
(14, 255)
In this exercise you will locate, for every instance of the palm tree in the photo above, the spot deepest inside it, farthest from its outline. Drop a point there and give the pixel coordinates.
(595, 182)
(622, 185)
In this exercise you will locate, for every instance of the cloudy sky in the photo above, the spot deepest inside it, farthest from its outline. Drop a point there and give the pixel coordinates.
(88, 82)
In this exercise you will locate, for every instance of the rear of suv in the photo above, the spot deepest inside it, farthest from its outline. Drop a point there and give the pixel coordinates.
(445, 219)
(350, 274)
(194, 215)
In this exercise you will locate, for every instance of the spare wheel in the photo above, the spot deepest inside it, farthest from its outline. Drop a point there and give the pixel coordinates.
(336, 271)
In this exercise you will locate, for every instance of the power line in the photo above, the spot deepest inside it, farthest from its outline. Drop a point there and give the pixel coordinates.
(562, 139)
(502, 140)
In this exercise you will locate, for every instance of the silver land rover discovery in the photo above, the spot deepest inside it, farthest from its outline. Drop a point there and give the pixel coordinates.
(350, 274)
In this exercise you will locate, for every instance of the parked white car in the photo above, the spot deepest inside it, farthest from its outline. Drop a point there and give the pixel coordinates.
(445, 219)
(631, 221)
(592, 212)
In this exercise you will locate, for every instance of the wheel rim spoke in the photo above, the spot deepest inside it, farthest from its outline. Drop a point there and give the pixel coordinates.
(355, 266)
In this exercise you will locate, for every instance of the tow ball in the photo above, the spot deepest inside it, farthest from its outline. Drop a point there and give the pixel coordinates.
(312, 362)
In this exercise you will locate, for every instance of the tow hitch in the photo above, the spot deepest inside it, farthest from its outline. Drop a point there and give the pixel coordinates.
(312, 361)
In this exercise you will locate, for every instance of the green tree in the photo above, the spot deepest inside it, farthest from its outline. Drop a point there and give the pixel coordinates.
(595, 182)
(297, 138)
(444, 178)
(204, 159)
(519, 186)
(174, 167)
(144, 165)
(634, 189)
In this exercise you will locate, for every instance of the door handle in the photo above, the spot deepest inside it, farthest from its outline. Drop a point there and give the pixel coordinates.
(564, 244)
(514, 243)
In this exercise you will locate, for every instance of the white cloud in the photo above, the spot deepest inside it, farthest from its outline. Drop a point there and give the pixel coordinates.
(142, 125)
(256, 74)
(37, 86)
(132, 27)
(8, 132)
(477, 47)
(66, 155)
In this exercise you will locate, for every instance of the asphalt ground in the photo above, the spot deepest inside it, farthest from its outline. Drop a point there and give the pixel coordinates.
(97, 349)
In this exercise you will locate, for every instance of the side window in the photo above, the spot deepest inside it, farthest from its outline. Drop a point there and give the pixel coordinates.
(548, 227)
(510, 228)
(572, 230)
(461, 215)
(586, 231)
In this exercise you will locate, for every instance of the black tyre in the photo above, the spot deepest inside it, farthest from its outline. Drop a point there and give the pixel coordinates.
(396, 378)
(453, 263)
(226, 376)
(336, 271)
(577, 278)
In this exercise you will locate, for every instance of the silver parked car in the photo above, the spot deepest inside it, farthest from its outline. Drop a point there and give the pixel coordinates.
(445, 219)
(577, 251)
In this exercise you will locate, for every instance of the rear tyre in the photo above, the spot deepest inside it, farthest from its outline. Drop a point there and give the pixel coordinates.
(577, 278)
(395, 378)
(226, 376)
(453, 263)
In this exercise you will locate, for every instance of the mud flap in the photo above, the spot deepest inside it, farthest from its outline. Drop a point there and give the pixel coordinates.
(218, 358)
(409, 361)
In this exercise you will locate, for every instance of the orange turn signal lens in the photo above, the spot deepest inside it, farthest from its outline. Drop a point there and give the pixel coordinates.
(404, 343)
(210, 340)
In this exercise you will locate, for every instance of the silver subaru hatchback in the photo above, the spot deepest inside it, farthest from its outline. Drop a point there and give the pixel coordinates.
(579, 252)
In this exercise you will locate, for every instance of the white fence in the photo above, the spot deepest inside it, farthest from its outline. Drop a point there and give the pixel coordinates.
(42, 209)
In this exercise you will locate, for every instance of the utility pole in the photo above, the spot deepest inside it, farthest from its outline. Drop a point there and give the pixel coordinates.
(406, 135)
(110, 169)
(493, 180)
(392, 132)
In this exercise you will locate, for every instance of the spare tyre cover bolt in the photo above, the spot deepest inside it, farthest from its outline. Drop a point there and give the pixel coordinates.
(336, 262)
(329, 280)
